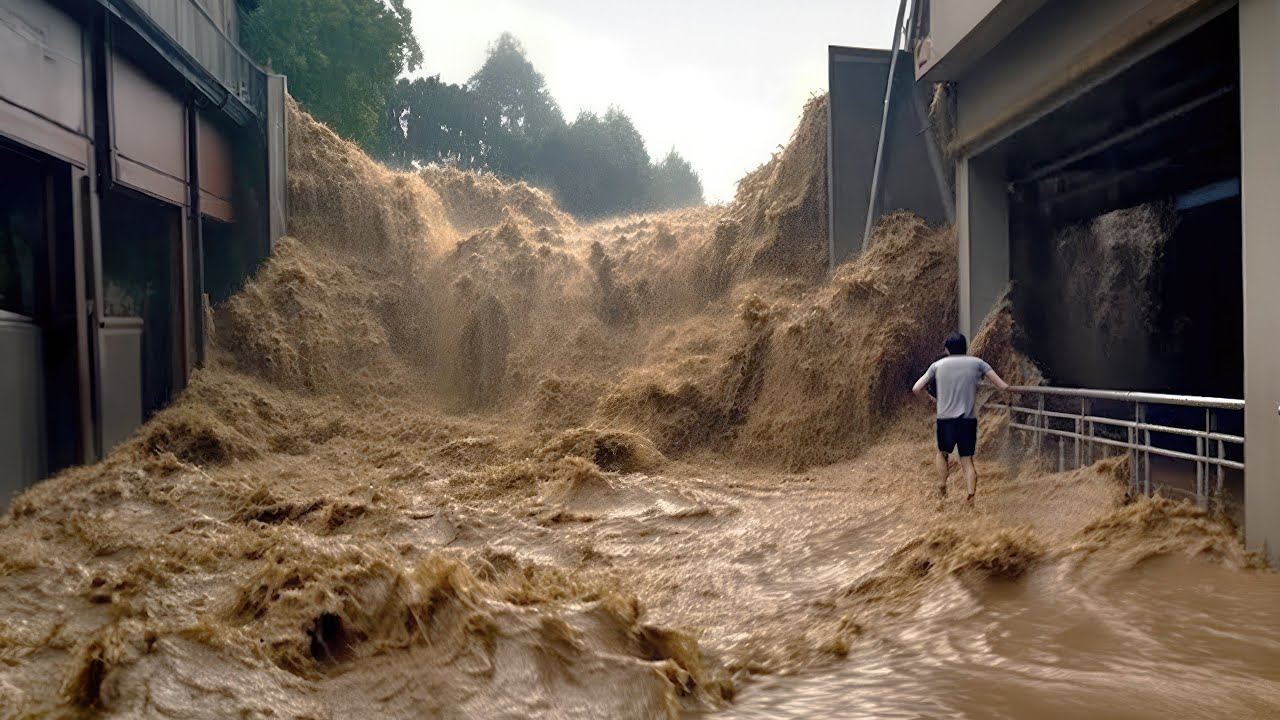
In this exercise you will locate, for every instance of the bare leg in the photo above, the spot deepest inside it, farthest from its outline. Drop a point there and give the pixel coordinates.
(970, 476)
(940, 462)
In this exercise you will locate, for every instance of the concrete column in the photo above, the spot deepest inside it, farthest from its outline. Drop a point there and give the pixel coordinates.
(277, 159)
(982, 222)
(1260, 195)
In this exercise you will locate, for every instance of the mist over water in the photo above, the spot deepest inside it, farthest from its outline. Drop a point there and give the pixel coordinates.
(459, 455)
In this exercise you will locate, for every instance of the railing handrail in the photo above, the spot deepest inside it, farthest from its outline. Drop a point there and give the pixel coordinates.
(1081, 429)
(1134, 396)
(1116, 422)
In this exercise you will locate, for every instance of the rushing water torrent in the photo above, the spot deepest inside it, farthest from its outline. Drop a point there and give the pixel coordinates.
(456, 455)
(1173, 637)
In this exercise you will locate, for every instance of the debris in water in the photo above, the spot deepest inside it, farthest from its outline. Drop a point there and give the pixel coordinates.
(456, 454)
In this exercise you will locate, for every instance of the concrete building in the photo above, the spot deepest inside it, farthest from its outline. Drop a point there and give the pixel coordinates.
(141, 176)
(1065, 110)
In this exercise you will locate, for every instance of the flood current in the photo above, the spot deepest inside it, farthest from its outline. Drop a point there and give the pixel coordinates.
(456, 454)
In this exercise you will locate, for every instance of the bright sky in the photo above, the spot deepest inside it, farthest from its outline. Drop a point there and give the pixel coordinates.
(723, 81)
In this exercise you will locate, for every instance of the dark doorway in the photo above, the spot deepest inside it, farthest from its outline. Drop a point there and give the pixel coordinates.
(1125, 226)
(39, 306)
(142, 276)
(229, 260)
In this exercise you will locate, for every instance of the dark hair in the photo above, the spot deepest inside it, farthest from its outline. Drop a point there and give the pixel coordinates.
(957, 345)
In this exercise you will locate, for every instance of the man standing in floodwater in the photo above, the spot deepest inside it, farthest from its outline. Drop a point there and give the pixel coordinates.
(957, 376)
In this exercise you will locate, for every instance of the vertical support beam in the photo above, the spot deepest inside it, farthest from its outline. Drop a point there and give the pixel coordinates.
(195, 257)
(97, 182)
(1260, 181)
(831, 192)
(277, 127)
(81, 223)
(185, 343)
(982, 222)
(873, 201)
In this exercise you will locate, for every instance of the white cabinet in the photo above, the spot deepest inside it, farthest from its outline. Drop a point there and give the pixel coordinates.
(22, 427)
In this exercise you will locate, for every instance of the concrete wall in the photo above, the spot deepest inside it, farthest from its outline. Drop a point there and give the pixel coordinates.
(856, 85)
(277, 158)
(949, 22)
(962, 31)
(911, 173)
(1260, 184)
(982, 224)
(1059, 52)
(1037, 55)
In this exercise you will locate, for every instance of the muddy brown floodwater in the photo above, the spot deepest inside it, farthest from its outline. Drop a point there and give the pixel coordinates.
(457, 455)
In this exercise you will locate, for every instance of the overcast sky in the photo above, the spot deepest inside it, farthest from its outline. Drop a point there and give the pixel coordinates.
(722, 81)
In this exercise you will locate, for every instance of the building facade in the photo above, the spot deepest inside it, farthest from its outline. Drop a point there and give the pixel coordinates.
(141, 178)
(1066, 110)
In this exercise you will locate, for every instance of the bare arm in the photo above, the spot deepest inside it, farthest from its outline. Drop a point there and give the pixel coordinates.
(919, 387)
(995, 380)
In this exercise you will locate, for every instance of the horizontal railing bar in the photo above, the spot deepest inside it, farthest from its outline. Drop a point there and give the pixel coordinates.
(1047, 413)
(1135, 396)
(1065, 433)
(1130, 446)
(1188, 432)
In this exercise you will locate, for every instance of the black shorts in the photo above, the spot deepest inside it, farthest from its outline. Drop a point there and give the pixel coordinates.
(958, 431)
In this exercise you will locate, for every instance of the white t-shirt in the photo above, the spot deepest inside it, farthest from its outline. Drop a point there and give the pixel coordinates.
(957, 378)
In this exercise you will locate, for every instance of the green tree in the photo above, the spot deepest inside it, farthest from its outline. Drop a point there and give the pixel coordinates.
(430, 121)
(504, 120)
(598, 165)
(675, 183)
(342, 56)
(519, 113)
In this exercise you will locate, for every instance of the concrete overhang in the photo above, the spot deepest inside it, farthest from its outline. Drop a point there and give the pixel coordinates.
(962, 31)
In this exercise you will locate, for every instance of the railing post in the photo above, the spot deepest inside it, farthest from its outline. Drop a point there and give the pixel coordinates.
(1079, 436)
(1133, 453)
(1202, 466)
(1040, 423)
(1087, 409)
(1146, 450)
(1221, 472)
(1008, 427)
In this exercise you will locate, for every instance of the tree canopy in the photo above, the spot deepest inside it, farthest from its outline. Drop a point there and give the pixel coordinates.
(342, 56)
(504, 120)
(676, 183)
(430, 121)
(516, 94)
(599, 165)
(346, 59)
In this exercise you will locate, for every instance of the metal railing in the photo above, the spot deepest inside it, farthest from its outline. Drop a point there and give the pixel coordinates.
(1089, 421)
